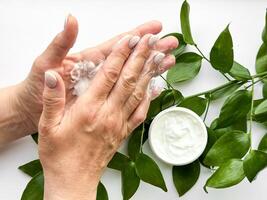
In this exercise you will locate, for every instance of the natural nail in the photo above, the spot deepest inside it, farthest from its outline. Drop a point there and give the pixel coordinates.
(66, 21)
(153, 40)
(158, 58)
(50, 79)
(133, 41)
(123, 38)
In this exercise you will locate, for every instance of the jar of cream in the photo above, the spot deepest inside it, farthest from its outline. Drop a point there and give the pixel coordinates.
(178, 136)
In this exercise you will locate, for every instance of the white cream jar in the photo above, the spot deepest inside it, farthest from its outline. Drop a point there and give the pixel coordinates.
(178, 136)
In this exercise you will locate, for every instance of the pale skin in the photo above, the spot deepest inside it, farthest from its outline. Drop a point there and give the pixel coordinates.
(79, 135)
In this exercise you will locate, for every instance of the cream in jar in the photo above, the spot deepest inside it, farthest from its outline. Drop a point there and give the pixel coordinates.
(178, 136)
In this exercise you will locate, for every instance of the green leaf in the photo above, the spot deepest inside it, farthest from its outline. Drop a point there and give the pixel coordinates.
(240, 125)
(165, 100)
(32, 168)
(222, 54)
(239, 72)
(260, 112)
(256, 102)
(118, 161)
(102, 193)
(211, 140)
(229, 113)
(135, 140)
(35, 137)
(229, 174)
(180, 49)
(261, 59)
(185, 23)
(214, 134)
(264, 32)
(263, 144)
(35, 188)
(187, 67)
(264, 91)
(149, 172)
(196, 104)
(253, 163)
(228, 89)
(185, 177)
(231, 145)
(171, 98)
(130, 181)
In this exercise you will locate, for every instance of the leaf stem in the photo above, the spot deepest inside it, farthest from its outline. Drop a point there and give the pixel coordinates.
(259, 75)
(203, 56)
(169, 85)
(251, 112)
(214, 89)
(207, 109)
(201, 53)
(142, 138)
(225, 76)
(254, 82)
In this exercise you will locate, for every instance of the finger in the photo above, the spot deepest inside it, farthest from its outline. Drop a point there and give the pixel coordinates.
(166, 64)
(141, 87)
(108, 74)
(139, 115)
(132, 70)
(53, 102)
(167, 44)
(152, 27)
(61, 44)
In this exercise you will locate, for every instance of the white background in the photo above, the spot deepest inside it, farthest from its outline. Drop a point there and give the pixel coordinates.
(26, 27)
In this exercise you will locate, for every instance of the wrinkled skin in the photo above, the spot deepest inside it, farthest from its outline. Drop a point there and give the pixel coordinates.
(79, 135)
(30, 90)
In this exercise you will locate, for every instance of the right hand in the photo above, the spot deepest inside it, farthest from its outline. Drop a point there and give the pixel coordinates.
(78, 137)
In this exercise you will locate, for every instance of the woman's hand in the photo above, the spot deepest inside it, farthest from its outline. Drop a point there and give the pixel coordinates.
(29, 92)
(79, 136)
(21, 105)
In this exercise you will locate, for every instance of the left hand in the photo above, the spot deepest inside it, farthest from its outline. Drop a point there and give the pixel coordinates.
(30, 103)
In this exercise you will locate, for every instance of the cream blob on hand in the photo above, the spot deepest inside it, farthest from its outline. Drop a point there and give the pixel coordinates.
(178, 136)
(84, 71)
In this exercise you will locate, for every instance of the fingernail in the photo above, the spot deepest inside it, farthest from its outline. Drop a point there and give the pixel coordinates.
(50, 79)
(158, 58)
(66, 21)
(133, 41)
(123, 38)
(153, 40)
(161, 69)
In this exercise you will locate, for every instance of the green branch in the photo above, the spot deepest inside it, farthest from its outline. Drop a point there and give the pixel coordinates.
(203, 56)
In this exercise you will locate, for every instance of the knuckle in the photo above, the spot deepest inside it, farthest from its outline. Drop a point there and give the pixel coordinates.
(139, 118)
(88, 116)
(142, 54)
(129, 81)
(55, 101)
(111, 123)
(138, 95)
(43, 128)
(111, 73)
(122, 53)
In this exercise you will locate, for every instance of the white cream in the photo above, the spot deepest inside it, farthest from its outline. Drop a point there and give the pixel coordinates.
(84, 71)
(178, 136)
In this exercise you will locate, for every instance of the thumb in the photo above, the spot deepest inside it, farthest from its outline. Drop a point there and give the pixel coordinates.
(53, 101)
(62, 43)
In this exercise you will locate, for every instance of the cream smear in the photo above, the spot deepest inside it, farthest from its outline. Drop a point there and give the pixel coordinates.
(83, 73)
